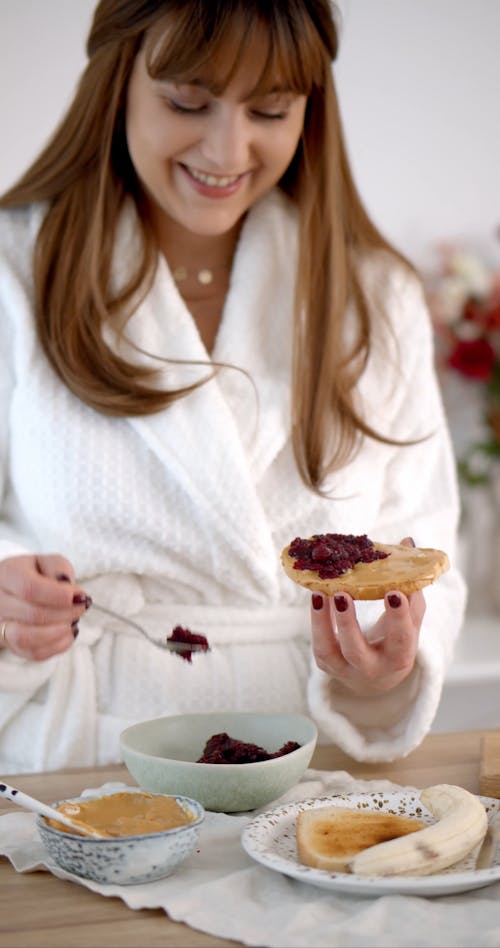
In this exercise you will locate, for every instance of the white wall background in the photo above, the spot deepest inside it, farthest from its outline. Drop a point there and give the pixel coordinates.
(419, 85)
(420, 91)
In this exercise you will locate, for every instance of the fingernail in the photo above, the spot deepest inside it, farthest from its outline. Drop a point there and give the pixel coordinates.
(62, 578)
(412, 541)
(75, 631)
(394, 601)
(341, 603)
(88, 602)
(317, 602)
(80, 599)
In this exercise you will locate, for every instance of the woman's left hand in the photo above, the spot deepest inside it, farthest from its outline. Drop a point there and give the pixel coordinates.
(377, 660)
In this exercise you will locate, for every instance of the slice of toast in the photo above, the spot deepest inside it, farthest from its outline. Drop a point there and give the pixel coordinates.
(328, 837)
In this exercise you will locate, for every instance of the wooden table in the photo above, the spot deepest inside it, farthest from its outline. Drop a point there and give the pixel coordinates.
(37, 909)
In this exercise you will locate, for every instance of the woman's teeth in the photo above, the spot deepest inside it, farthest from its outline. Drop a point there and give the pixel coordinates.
(211, 181)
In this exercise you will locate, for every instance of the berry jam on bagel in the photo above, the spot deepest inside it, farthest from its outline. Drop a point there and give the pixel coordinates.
(336, 562)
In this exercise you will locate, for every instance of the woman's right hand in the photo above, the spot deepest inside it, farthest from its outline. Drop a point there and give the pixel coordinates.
(40, 605)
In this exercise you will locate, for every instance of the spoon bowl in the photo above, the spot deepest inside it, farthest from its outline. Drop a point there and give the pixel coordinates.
(36, 806)
(183, 648)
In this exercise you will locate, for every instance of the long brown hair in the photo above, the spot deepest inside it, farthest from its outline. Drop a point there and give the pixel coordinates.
(84, 174)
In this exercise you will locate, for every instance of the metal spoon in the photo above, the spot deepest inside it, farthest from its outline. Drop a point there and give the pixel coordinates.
(29, 803)
(181, 648)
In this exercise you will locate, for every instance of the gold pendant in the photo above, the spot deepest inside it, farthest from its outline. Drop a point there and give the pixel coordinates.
(205, 277)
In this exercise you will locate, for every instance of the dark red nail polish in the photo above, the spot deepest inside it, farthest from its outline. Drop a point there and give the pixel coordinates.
(341, 603)
(62, 578)
(317, 602)
(88, 602)
(80, 599)
(75, 632)
(394, 601)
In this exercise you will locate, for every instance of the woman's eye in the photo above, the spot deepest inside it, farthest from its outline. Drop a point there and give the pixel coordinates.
(272, 116)
(274, 108)
(185, 109)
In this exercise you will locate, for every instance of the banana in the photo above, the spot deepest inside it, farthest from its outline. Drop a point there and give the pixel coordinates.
(461, 823)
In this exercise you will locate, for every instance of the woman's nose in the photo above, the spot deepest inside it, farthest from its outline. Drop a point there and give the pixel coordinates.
(226, 143)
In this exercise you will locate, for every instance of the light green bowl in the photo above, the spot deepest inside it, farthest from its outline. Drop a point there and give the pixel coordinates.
(161, 755)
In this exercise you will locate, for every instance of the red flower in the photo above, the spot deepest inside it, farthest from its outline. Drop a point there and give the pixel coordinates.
(474, 358)
(485, 313)
(474, 310)
(492, 314)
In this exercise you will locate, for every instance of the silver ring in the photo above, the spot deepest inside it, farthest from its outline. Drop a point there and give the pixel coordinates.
(3, 634)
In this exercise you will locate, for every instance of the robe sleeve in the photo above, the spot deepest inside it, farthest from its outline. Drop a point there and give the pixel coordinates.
(12, 541)
(420, 499)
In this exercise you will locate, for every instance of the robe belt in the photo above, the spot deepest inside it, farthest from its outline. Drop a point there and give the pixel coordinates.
(221, 625)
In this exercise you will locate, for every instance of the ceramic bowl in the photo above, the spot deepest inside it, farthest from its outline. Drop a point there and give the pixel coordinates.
(161, 755)
(124, 860)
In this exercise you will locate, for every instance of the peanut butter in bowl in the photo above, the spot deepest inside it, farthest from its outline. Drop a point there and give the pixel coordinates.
(144, 836)
(126, 814)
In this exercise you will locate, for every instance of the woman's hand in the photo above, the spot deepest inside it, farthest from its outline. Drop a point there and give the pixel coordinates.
(373, 662)
(40, 605)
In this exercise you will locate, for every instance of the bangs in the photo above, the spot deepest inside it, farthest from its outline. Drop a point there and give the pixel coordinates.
(208, 43)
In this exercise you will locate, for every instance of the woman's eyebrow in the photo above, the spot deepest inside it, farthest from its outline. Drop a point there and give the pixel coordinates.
(213, 87)
(273, 90)
(258, 94)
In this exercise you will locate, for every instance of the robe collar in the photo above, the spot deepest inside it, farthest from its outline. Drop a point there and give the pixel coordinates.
(218, 442)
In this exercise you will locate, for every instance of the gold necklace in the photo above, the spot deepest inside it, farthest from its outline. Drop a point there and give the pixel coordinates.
(205, 275)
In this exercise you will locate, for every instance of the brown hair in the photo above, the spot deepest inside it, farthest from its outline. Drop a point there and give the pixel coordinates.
(85, 174)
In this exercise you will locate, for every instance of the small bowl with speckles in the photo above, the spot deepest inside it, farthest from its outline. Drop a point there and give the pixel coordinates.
(132, 859)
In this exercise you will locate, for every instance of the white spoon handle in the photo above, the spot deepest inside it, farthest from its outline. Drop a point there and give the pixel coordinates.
(29, 803)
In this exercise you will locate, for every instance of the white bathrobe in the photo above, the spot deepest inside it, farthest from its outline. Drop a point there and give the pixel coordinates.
(179, 517)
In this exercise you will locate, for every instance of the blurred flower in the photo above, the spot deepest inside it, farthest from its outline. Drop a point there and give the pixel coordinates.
(474, 358)
(464, 299)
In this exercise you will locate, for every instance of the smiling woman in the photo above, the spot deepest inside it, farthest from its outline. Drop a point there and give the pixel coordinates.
(208, 348)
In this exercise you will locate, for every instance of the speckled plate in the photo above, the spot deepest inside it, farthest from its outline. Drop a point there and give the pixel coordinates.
(270, 839)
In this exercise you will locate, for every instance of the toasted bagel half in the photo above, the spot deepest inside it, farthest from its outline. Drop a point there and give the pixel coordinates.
(328, 837)
(404, 568)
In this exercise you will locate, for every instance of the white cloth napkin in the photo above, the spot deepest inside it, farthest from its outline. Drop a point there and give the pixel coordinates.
(220, 890)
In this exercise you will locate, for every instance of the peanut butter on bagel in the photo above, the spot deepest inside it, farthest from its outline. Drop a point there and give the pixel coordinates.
(328, 837)
(397, 567)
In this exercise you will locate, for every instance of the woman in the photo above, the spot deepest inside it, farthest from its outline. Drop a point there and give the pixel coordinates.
(208, 349)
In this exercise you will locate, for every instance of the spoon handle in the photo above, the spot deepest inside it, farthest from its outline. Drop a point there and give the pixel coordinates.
(29, 803)
(181, 648)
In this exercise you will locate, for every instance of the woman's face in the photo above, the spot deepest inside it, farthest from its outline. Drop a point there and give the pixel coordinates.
(202, 159)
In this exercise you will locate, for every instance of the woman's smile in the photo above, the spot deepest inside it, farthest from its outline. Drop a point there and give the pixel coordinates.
(212, 185)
